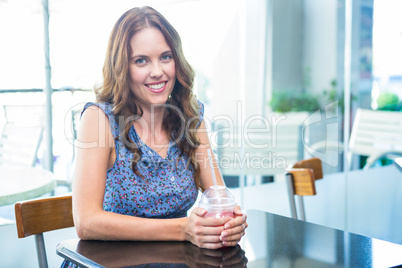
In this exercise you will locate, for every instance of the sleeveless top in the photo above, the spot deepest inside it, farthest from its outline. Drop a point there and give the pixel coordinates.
(166, 189)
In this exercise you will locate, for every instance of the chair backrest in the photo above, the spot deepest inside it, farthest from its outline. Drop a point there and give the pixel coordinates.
(313, 163)
(376, 134)
(22, 134)
(300, 181)
(34, 217)
(303, 181)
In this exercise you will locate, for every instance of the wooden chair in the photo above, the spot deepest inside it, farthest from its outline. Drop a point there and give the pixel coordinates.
(300, 181)
(34, 217)
(375, 134)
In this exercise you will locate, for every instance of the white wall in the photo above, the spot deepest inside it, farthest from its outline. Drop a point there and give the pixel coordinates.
(238, 71)
(320, 42)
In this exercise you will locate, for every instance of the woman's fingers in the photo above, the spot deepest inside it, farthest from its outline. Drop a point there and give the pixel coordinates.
(209, 239)
(211, 245)
(231, 238)
(213, 233)
(237, 211)
(204, 231)
(238, 220)
(234, 230)
(199, 211)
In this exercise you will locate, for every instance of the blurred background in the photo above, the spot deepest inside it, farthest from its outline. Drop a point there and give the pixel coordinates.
(255, 61)
(261, 57)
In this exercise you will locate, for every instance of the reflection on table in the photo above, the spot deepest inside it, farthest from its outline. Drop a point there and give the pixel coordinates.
(271, 241)
(124, 253)
(21, 182)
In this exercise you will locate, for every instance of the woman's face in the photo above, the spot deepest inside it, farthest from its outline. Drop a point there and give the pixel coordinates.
(152, 68)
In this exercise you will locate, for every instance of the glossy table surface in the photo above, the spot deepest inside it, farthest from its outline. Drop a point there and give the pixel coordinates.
(365, 202)
(271, 241)
(20, 182)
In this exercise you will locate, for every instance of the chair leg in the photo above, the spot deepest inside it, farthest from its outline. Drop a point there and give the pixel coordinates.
(41, 251)
(289, 184)
(301, 208)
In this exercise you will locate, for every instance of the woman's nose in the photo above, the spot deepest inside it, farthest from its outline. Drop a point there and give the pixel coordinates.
(156, 70)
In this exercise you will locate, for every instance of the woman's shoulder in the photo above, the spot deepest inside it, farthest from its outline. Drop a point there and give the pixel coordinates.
(106, 107)
(93, 111)
(200, 106)
(99, 110)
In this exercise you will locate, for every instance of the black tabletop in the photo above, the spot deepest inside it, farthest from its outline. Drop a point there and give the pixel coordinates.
(270, 241)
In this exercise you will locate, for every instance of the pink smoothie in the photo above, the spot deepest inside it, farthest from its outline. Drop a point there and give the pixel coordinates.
(220, 214)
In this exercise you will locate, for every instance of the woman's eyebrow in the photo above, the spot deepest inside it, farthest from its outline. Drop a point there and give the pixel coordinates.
(139, 56)
(145, 56)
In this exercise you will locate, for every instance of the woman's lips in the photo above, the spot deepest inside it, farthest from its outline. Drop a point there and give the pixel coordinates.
(157, 87)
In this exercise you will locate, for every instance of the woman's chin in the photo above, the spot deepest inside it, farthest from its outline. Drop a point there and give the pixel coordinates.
(160, 103)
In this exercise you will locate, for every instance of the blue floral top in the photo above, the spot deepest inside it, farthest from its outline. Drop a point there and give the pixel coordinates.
(166, 189)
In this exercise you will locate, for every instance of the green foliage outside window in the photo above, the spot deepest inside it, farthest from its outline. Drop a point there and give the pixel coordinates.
(387, 101)
(289, 101)
(292, 100)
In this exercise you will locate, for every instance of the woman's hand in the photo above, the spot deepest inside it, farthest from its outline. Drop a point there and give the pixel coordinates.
(234, 229)
(206, 232)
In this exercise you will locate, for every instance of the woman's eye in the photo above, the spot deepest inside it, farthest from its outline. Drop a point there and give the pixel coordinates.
(140, 61)
(166, 57)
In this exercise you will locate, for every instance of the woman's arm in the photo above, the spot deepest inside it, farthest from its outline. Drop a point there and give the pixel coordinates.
(95, 154)
(233, 229)
(204, 161)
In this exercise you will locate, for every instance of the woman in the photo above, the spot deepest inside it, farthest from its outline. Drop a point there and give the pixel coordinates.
(143, 152)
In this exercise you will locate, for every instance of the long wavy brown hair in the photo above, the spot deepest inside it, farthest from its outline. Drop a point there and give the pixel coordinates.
(182, 118)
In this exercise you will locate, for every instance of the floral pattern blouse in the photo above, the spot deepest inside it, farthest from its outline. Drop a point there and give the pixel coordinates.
(166, 189)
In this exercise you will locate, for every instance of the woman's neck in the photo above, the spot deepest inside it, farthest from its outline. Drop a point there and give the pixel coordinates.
(153, 117)
(150, 127)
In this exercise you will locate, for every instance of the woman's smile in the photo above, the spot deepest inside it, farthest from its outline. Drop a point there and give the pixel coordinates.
(157, 87)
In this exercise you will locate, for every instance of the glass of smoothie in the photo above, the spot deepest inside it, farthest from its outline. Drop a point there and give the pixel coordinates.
(218, 201)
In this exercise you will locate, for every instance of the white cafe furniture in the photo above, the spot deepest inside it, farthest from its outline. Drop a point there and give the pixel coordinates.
(22, 182)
